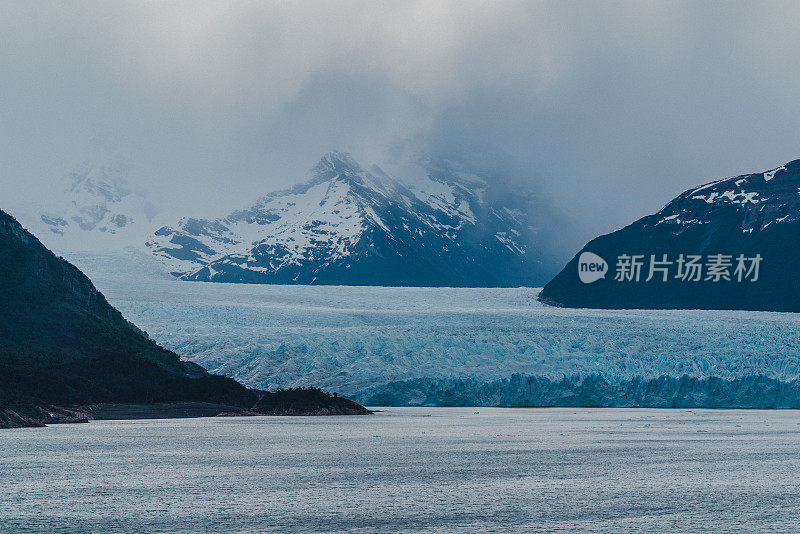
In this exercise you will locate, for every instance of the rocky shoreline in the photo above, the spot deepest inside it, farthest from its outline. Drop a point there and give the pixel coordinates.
(294, 402)
(41, 416)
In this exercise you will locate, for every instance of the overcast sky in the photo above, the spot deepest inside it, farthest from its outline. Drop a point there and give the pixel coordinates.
(609, 109)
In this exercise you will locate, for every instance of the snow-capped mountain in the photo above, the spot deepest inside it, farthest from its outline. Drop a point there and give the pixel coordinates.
(349, 226)
(730, 244)
(93, 208)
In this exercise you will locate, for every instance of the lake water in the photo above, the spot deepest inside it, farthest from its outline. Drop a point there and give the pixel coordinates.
(410, 470)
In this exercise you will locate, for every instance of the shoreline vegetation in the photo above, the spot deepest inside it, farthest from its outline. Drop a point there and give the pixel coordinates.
(290, 402)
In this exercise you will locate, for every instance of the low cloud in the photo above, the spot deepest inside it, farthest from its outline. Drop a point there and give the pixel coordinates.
(607, 110)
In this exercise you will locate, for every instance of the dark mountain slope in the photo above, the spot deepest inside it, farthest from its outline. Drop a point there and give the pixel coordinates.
(62, 343)
(741, 235)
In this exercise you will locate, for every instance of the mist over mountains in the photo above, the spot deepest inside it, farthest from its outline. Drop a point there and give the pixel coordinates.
(349, 224)
(344, 225)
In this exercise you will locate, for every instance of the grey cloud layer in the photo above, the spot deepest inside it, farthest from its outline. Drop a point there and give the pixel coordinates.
(609, 108)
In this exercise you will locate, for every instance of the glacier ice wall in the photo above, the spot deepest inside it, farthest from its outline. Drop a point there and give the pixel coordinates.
(756, 391)
(350, 339)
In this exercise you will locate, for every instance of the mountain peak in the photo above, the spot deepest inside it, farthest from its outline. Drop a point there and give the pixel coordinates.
(337, 162)
(351, 226)
(104, 183)
(450, 173)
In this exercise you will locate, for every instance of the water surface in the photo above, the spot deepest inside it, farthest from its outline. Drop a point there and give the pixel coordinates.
(410, 470)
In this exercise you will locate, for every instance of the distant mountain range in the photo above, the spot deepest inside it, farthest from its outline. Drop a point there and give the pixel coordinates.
(729, 244)
(344, 225)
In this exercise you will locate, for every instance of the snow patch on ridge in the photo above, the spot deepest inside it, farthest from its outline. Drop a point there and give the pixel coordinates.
(769, 175)
(762, 199)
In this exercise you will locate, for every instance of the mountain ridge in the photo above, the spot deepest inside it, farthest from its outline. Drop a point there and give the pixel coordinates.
(732, 243)
(63, 344)
(349, 226)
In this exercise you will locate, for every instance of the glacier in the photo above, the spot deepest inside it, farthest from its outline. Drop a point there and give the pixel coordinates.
(365, 341)
(593, 391)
